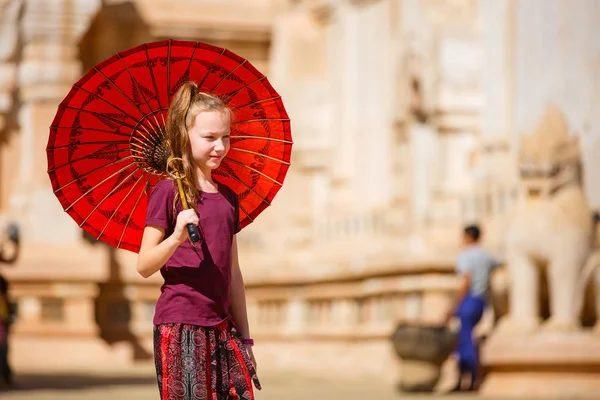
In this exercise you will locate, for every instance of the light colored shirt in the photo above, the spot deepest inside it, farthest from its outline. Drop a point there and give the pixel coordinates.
(479, 264)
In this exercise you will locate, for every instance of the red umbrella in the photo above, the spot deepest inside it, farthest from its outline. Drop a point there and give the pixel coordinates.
(107, 142)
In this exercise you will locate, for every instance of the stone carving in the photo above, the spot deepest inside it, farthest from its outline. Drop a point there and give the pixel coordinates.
(591, 275)
(418, 79)
(550, 231)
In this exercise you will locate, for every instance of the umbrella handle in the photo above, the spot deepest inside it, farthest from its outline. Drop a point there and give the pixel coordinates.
(192, 229)
(193, 233)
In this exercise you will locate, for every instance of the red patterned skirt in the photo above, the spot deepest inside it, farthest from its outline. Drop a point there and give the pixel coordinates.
(203, 363)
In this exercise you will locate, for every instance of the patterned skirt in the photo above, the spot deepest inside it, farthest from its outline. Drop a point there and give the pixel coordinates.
(202, 363)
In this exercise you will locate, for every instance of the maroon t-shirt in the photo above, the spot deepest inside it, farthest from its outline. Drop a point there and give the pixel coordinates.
(197, 279)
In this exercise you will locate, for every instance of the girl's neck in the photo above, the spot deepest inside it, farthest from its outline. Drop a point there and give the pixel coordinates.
(205, 182)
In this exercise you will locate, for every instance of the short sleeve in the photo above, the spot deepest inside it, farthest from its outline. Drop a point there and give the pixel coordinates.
(463, 264)
(160, 205)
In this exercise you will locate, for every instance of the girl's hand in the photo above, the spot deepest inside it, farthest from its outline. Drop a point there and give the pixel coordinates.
(183, 218)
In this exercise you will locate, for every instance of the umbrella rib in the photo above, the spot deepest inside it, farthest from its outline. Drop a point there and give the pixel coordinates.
(255, 170)
(132, 211)
(244, 87)
(245, 184)
(87, 173)
(189, 67)
(108, 195)
(257, 102)
(165, 124)
(227, 76)
(134, 128)
(157, 127)
(84, 143)
(144, 162)
(110, 104)
(92, 129)
(119, 206)
(120, 90)
(163, 118)
(152, 75)
(151, 138)
(262, 138)
(95, 114)
(260, 120)
(97, 185)
(86, 157)
(169, 74)
(261, 155)
(209, 68)
(139, 146)
(245, 212)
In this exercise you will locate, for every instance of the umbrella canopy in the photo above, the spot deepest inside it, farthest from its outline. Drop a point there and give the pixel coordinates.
(107, 146)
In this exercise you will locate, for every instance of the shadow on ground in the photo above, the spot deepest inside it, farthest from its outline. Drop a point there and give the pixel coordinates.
(141, 384)
(75, 382)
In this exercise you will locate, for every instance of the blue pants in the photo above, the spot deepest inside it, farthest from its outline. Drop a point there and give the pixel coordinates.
(470, 312)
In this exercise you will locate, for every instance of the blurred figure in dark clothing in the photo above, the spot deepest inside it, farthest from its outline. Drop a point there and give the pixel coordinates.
(9, 252)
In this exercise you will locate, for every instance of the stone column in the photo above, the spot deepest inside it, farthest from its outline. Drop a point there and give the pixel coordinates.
(418, 74)
(347, 313)
(8, 44)
(296, 316)
(344, 54)
(495, 157)
(49, 67)
(373, 134)
(303, 83)
(498, 71)
(9, 32)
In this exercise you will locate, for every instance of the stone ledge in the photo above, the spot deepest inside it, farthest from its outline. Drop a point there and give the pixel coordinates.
(542, 349)
(542, 365)
(69, 263)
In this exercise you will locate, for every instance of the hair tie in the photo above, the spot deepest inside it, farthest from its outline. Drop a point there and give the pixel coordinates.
(194, 91)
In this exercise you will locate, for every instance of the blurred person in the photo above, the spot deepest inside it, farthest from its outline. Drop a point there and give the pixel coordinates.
(202, 344)
(5, 370)
(474, 267)
(9, 252)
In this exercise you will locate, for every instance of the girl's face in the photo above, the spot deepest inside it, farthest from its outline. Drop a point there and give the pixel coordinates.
(209, 139)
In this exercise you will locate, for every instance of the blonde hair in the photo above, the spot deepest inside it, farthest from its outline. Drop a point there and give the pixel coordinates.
(185, 106)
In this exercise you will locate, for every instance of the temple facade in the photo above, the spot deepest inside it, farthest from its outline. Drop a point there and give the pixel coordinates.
(407, 118)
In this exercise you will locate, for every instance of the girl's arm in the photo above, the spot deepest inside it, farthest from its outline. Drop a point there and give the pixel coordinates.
(154, 251)
(238, 300)
(238, 294)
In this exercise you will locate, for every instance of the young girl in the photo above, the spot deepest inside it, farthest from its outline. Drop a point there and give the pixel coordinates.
(202, 345)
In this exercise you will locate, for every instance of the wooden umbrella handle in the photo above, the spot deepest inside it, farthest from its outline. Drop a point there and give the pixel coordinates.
(192, 230)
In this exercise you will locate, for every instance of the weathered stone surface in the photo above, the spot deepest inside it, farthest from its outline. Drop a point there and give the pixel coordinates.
(407, 118)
